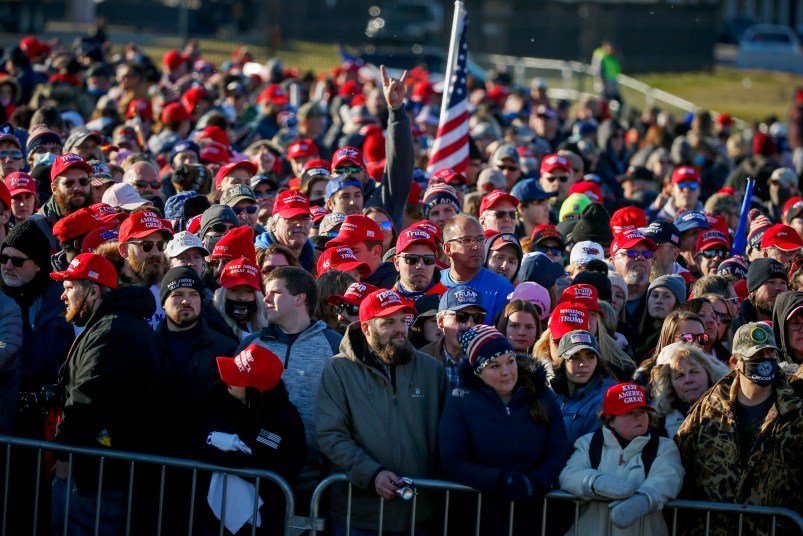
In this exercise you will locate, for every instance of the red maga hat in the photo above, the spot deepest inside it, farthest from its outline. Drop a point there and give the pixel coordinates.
(255, 366)
(383, 303)
(89, 266)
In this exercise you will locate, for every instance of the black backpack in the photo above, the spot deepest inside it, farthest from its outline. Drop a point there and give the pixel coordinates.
(648, 454)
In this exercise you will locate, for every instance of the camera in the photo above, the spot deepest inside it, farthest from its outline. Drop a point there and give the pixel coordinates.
(406, 488)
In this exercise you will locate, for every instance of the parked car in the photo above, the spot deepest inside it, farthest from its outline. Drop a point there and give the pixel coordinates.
(770, 47)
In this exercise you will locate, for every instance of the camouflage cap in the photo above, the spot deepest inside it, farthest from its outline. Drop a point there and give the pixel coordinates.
(752, 338)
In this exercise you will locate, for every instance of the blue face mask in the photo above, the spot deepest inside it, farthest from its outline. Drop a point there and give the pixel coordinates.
(45, 159)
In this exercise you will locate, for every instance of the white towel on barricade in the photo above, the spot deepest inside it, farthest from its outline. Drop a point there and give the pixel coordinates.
(239, 501)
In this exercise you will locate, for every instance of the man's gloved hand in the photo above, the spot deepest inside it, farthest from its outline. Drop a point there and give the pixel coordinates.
(227, 442)
(612, 487)
(630, 510)
(519, 487)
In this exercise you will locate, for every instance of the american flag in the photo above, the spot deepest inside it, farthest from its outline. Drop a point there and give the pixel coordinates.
(450, 148)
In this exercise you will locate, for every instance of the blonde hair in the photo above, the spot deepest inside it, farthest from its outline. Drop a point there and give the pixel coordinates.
(610, 351)
(664, 395)
(257, 321)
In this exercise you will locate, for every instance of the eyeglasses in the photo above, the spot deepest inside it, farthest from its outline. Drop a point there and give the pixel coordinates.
(348, 308)
(499, 214)
(463, 317)
(564, 178)
(793, 326)
(13, 155)
(16, 262)
(147, 245)
(507, 168)
(347, 170)
(252, 209)
(711, 253)
(147, 184)
(691, 338)
(468, 241)
(724, 318)
(689, 185)
(264, 193)
(633, 254)
(412, 259)
(69, 183)
(549, 251)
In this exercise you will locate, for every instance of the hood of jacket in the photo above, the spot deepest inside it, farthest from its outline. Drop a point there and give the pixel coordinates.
(137, 300)
(489, 244)
(307, 258)
(785, 303)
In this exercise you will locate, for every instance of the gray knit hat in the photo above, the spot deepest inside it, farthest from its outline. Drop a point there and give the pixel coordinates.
(674, 283)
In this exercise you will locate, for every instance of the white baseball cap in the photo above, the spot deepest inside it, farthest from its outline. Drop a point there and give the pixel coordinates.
(182, 242)
(124, 196)
(585, 252)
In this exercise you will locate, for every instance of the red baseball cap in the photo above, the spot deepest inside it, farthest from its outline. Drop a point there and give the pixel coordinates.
(240, 271)
(547, 230)
(255, 366)
(348, 154)
(174, 113)
(551, 162)
(215, 134)
(215, 153)
(623, 398)
(319, 166)
(67, 161)
(94, 239)
(711, 238)
(356, 229)
(685, 173)
(566, 317)
(89, 266)
(354, 295)
(415, 235)
(582, 295)
(5, 195)
(235, 244)
(141, 224)
(627, 218)
(302, 148)
(139, 108)
(782, 237)
(629, 238)
(495, 197)
(247, 165)
(76, 224)
(275, 94)
(431, 228)
(20, 183)
(447, 175)
(589, 189)
(108, 215)
(173, 58)
(381, 303)
(291, 203)
(341, 258)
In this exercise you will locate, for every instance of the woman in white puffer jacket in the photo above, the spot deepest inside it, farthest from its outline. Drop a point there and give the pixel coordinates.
(626, 447)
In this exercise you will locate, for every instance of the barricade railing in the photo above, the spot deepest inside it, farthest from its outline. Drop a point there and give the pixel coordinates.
(9, 444)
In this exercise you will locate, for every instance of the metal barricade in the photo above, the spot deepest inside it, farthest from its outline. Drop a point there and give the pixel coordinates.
(13, 444)
(673, 507)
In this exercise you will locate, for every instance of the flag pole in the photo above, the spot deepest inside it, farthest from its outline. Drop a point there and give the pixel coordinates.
(451, 62)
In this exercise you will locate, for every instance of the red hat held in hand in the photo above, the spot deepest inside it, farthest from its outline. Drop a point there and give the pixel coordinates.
(256, 366)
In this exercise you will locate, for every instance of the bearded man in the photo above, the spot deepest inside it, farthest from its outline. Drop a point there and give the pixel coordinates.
(632, 254)
(143, 239)
(378, 387)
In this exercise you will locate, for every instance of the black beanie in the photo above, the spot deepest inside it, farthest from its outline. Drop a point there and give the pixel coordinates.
(597, 280)
(763, 269)
(217, 214)
(32, 241)
(594, 225)
(180, 277)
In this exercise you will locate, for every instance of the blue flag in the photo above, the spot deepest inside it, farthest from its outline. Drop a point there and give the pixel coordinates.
(740, 237)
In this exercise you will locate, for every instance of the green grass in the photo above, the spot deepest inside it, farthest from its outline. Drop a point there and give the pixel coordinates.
(748, 95)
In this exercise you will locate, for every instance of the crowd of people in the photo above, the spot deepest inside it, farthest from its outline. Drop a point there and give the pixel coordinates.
(257, 271)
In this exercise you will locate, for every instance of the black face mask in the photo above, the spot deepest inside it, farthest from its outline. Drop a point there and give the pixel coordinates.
(761, 372)
(241, 311)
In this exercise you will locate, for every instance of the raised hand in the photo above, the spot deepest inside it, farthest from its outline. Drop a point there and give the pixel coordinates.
(393, 88)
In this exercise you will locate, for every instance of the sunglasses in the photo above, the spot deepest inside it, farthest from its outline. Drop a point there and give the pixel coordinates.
(347, 170)
(691, 338)
(500, 214)
(147, 184)
(265, 193)
(221, 227)
(632, 254)
(724, 318)
(463, 317)
(564, 178)
(252, 209)
(147, 245)
(386, 225)
(13, 155)
(16, 262)
(84, 182)
(507, 168)
(413, 260)
(348, 308)
(689, 185)
(549, 251)
(711, 253)
(735, 299)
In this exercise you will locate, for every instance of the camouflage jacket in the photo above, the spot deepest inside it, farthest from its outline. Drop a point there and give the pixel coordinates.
(709, 449)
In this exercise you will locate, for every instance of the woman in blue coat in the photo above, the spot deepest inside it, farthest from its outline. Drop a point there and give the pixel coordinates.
(581, 381)
(502, 432)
